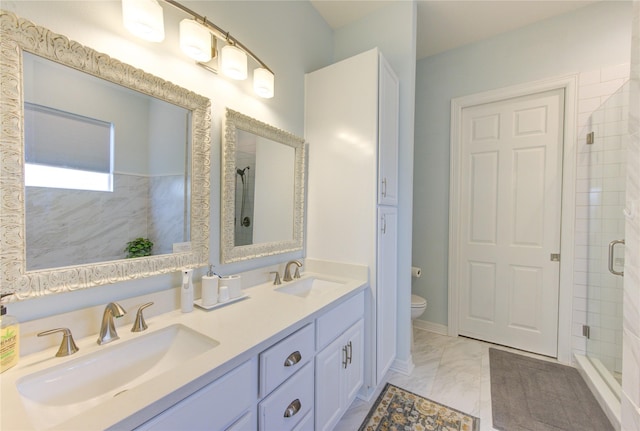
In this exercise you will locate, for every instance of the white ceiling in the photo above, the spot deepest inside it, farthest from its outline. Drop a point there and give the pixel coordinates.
(447, 24)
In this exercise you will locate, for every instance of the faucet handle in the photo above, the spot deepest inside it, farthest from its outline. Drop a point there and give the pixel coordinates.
(140, 325)
(276, 280)
(68, 346)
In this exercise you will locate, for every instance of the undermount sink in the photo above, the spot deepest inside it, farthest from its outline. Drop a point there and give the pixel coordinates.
(311, 286)
(56, 394)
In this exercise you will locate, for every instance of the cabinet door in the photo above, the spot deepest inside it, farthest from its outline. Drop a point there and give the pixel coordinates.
(386, 289)
(354, 373)
(388, 117)
(329, 393)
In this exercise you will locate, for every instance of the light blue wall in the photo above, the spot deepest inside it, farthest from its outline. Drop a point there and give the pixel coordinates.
(590, 38)
(290, 46)
(393, 30)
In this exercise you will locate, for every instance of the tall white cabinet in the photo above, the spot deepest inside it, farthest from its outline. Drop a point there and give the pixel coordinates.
(351, 125)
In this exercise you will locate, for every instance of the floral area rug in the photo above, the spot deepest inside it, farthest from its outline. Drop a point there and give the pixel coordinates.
(400, 410)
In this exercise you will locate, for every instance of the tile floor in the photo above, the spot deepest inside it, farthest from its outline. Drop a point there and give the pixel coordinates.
(450, 371)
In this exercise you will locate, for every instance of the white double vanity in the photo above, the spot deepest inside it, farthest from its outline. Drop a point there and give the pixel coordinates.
(285, 358)
(289, 356)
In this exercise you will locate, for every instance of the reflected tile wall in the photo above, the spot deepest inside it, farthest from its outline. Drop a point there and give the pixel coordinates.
(58, 231)
(167, 212)
(244, 234)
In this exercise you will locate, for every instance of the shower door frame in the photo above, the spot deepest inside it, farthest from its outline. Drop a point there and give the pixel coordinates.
(568, 83)
(605, 352)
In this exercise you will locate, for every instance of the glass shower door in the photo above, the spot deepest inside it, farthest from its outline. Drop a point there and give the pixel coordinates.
(607, 129)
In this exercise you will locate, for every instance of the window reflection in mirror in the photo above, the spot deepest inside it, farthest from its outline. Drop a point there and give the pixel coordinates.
(149, 159)
(66, 151)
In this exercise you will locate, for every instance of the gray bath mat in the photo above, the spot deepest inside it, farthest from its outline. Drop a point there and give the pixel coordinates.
(528, 394)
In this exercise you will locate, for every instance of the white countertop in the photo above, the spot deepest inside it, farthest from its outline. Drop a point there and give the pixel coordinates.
(243, 329)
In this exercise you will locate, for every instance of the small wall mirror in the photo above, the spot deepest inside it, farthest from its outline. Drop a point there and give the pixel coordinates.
(263, 189)
(95, 155)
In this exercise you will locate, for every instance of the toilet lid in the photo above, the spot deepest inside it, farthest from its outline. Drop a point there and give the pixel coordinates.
(418, 301)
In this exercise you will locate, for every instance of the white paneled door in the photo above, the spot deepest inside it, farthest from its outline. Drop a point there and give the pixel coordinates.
(511, 183)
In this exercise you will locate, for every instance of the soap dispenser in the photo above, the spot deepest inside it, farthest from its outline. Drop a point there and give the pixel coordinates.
(10, 338)
(186, 291)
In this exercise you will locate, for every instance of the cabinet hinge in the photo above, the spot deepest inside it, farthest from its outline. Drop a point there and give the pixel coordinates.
(586, 331)
(555, 257)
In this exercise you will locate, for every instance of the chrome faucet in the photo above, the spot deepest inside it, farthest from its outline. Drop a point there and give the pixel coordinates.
(68, 346)
(276, 280)
(107, 329)
(287, 270)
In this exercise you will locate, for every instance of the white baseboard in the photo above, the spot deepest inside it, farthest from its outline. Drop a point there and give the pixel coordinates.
(403, 367)
(431, 327)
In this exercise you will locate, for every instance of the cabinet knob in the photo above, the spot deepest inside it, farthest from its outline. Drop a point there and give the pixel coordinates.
(293, 408)
(293, 359)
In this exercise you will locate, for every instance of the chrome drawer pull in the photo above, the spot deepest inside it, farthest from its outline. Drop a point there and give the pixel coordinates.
(350, 350)
(345, 360)
(293, 408)
(293, 359)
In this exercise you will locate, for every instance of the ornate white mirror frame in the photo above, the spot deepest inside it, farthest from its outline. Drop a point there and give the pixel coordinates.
(235, 121)
(18, 35)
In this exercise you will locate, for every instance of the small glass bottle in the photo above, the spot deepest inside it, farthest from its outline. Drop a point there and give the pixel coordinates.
(10, 339)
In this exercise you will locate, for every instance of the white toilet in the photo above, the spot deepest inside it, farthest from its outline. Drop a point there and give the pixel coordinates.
(418, 305)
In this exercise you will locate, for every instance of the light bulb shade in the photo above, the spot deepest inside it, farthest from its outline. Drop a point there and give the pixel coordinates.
(263, 83)
(195, 40)
(234, 62)
(144, 18)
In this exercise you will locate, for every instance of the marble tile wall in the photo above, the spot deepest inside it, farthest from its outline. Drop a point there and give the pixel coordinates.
(167, 212)
(631, 336)
(601, 172)
(73, 227)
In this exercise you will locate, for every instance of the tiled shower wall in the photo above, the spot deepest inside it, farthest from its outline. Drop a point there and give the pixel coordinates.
(597, 298)
(244, 234)
(631, 309)
(167, 212)
(58, 232)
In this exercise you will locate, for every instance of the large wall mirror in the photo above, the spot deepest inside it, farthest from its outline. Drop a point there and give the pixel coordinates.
(262, 189)
(94, 155)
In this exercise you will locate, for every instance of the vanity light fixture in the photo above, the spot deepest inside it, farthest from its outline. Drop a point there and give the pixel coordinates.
(144, 18)
(195, 40)
(263, 82)
(234, 62)
(198, 39)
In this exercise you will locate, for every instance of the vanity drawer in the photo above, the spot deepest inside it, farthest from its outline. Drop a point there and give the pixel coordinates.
(334, 322)
(289, 405)
(214, 407)
(283, 359)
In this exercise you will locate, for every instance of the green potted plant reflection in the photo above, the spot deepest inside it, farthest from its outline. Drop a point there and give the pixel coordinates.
(138, 247)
